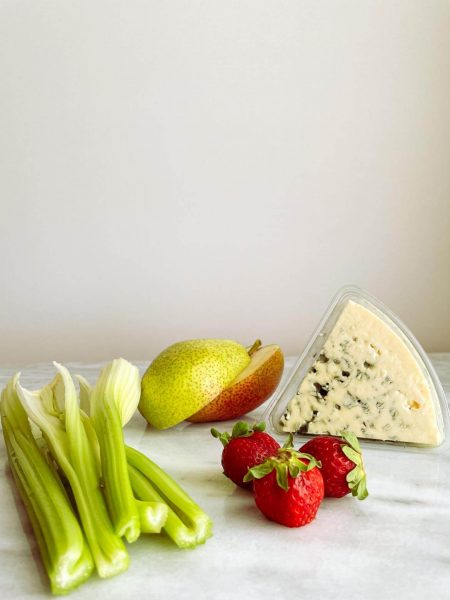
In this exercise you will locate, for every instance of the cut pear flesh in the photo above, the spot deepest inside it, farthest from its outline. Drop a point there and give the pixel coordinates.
(368, 380)
(252, 386)
(259, 358)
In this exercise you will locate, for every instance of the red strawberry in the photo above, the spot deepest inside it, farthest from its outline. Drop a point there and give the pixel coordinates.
(244, 448)
(342, 464)
(288, 488)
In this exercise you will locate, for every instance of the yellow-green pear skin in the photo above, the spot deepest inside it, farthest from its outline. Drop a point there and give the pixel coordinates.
(186, 376)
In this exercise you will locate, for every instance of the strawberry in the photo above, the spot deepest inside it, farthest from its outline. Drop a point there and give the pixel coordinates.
(244, 448)
(288, 487)
(342, 464)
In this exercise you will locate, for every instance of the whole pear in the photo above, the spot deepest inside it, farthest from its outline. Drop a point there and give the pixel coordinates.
(186, 376)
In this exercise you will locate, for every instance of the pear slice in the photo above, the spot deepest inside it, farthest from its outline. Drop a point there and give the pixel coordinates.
(249, 389)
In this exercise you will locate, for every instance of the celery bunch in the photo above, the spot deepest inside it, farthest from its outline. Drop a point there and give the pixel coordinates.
(115, 490)
(55, 410)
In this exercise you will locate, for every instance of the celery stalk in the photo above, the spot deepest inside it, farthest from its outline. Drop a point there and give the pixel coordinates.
(112, 402)
(152, 515)
(85, 394)
(65, 554)
(144, 490)
(187, 524)
(55, 410)
(93, 442)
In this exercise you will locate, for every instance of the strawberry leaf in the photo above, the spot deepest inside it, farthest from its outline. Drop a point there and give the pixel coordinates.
(356, 478)
(354, 456)
(259, 471)
(361, 490)
(240, 429)
(294, 470)
(357, 483)
(282, 476)
(351, 440)
(259, 426)
(289, 443)
(312, 462)
(354, 475)
(223, 437)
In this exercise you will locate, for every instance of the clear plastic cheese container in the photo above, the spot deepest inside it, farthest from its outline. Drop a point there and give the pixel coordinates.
(279, 404)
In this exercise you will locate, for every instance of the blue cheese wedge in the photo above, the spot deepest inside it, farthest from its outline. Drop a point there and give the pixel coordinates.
(366, 380)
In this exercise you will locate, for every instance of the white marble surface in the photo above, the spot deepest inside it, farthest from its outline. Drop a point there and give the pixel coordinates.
(396, 544)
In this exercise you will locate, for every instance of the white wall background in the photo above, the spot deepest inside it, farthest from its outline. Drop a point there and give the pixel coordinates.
(218, 169)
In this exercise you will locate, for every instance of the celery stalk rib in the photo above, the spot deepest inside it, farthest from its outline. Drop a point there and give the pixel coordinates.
(187, 524)
(174, 527)
(116, 390)
(118, 492)
(152, 515)
(65, 554)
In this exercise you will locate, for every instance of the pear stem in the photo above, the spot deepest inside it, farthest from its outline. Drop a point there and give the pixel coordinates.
(256, 346)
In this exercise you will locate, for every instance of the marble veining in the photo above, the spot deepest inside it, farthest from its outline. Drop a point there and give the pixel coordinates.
(396, 544)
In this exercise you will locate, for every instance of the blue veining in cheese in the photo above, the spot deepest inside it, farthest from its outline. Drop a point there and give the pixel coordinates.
(366, 380)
